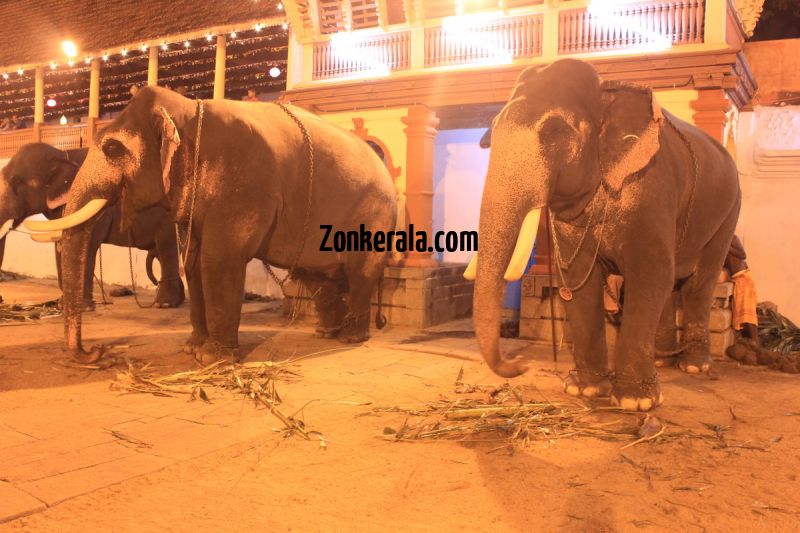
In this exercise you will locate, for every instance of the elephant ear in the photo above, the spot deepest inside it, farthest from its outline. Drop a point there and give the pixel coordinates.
(61, 173)
(631, 122)
(170, 141)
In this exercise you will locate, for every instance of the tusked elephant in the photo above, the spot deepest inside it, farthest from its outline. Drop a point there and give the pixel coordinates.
(631, 190)
(243, 180)
(37, 179)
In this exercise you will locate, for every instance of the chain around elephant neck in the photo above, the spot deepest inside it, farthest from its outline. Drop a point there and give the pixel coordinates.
(566, 264)
(695, 164)
(184, 254)
(310, 152)
(566, 292)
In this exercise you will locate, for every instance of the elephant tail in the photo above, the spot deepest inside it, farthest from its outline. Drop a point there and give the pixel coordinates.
(380, 319)
(151, 255)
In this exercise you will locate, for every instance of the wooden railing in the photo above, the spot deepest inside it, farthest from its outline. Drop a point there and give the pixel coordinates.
(341, 59)
(65, 137)
(12, 140)
(62, 137)
(509, 38)
(665, 22)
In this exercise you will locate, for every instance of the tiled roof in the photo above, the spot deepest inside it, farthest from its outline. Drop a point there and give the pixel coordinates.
(31, 31)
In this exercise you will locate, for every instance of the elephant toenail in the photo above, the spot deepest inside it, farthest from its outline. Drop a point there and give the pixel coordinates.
(591, 392)
(614, 401)
(645, 404)
(572, 390)
(630, 404)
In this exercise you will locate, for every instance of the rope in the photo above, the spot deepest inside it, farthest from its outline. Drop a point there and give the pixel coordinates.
(101, 281)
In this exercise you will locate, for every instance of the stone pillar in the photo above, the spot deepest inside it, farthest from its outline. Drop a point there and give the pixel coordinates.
(219, 69)
(94, 97)
(152, 66)
(420, 133)
(710, 110)
(38, 103)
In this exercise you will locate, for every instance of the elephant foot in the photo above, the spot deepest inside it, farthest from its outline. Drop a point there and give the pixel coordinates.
(170, 293)
(636, 395)
(89, 305)
(352, 337)
(193, 343)
(212, 352)
(353, 330)
(664, 362)
(326, 333)
(587, 384)
(694, 363)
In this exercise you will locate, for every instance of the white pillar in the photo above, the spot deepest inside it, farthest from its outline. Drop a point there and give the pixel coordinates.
(94, 89)
(152, 66)
(219, 69)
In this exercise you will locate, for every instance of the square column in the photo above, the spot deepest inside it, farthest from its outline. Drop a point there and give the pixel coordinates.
(710, 112)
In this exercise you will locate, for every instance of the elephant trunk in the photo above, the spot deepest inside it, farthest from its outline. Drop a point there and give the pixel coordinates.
(502, 224)
(75, 246)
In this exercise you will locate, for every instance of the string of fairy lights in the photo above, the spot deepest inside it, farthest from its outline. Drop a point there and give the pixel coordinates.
(255, 59)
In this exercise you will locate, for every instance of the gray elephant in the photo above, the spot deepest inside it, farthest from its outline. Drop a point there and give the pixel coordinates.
(37, 179)
(631, 190)
(244, 180)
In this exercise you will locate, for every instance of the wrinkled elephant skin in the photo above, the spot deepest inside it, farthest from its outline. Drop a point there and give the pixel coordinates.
(632, 190)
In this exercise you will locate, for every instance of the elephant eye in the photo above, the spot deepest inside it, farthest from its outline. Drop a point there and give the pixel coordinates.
(554, 131)
(113, 148)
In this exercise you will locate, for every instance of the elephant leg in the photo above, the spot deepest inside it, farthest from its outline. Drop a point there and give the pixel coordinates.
(697, 295)
(197, 311)
(329, 301)
(666, 347)
(223, 276)
(647, 288)
(170, 291)
(363, 270)
(586, 317)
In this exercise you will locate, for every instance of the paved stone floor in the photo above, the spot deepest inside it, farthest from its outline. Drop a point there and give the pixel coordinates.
(74, 452)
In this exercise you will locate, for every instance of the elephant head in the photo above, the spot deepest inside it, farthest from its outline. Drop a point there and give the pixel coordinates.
(129, 161)
(561, 136)
(35, 180)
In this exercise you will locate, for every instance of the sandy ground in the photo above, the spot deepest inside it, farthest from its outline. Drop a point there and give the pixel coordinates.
(362, 482)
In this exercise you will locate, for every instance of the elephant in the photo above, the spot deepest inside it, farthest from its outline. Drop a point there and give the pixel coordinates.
(630, 189)
(37, 179)
(243, 180)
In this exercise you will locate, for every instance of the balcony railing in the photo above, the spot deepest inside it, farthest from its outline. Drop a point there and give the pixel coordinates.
(572, 29)
(631, 25)
(509, 39)
(343, 58)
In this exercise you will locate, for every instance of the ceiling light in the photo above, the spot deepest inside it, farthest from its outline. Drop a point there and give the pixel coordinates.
(69, 48)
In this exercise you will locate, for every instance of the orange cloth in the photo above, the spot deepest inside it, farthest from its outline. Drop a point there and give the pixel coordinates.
(744, 299)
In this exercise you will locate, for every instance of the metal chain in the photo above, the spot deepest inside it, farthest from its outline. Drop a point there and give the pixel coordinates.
(566, 264)
(310, 150)
(594, 258)
(133, 283)
(695, 163)
(183, 255)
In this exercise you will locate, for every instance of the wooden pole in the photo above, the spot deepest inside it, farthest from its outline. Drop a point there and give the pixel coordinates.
(219, 69)
(38, 104)
(152, 66)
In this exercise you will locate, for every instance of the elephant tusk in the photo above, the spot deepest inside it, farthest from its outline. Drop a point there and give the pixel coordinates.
(48, 236)
(6, 227)
(525, 241)
(70, 221)
(472, 268)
